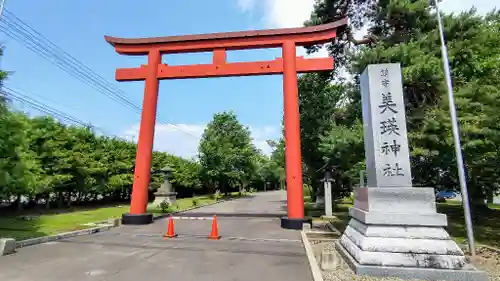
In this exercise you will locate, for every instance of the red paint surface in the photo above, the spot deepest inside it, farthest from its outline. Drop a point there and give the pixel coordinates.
(221, 69)
(142, 174)
(293, 158)
(219, 43)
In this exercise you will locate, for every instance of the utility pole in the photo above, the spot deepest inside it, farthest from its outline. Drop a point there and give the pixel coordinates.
(456, 134)
(2, 5)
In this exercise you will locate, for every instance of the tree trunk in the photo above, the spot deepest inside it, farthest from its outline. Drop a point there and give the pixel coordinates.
(70, 199)
(489, 196)
(477, 197)
(479, 208)
(47, 202)
(60, 201)
(19, 203)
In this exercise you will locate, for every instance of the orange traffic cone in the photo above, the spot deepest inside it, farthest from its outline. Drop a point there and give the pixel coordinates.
(170, 231)
(214, 235)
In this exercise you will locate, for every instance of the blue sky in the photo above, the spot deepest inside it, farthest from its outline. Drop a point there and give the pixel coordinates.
(78, 27)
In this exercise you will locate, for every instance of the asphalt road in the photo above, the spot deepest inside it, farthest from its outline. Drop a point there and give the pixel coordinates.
(253, 247)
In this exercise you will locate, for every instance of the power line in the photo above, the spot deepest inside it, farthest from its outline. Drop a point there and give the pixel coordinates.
(20, 31)
(23, 33)
(43, 98)
(24, 99)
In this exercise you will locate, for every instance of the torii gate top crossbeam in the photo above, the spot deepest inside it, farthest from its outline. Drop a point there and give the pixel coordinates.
(218, 44)
(271, 38)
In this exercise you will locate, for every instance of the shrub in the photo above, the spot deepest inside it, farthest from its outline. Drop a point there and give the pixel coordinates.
(165, 207)
(217, 195)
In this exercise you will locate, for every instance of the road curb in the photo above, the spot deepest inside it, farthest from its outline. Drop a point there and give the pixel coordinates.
(330, 226)
(101, 226)
(55, 237)
(313, 264)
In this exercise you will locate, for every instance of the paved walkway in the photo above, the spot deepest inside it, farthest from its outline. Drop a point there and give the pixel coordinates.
(254, 247)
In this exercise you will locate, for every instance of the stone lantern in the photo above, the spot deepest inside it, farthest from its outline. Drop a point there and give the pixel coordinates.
(165, 193)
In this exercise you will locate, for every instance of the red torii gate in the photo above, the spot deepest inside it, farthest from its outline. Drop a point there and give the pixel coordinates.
(219, 43)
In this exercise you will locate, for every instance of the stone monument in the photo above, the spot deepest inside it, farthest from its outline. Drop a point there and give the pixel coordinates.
(327, 184)
(395, 229)
(165, 193)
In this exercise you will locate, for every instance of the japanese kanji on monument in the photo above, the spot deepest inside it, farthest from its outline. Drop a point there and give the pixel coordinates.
(386, 142)
(395, 229)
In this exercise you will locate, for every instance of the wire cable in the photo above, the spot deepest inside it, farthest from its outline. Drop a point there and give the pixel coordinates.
(24, 99)
(20, 31)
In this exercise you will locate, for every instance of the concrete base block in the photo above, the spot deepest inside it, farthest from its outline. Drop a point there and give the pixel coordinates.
(137, 219)
(293, 223)
(410, 273)
(397, 232)
(328, 260)
(7, 246)
(391, 218)
(419, 200)
(388, 257)
(392, 244)
(115, 222)
(169, 197)
(325, 217)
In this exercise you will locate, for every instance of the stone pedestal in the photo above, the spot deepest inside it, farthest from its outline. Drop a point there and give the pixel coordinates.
(397, 232)
(164, 196)
(395, 229)
(7, 246)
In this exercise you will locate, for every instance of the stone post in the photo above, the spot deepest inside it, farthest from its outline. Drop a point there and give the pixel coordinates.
(328, 195)
(361, 178)
(165, 193)
(395, 229)
(326, 200)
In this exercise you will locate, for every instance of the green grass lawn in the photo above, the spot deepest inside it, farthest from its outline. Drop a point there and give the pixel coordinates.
(42, 224)
(486, 224)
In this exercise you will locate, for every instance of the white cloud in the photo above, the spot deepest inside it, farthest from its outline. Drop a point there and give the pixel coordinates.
(286, 13)
(293, 13)
(183, 139)
(246, 5)
(457, 6)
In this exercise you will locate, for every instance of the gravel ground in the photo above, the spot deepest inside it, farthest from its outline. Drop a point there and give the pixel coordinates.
(486, 259)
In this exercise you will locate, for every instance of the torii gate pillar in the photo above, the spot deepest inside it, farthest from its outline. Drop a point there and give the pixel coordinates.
(289, 65)
(293, 157)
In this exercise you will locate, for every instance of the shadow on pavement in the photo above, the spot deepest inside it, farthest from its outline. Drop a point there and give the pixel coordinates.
(187, 248)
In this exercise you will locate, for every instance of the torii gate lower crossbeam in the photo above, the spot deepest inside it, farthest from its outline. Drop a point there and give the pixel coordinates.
(289, 65)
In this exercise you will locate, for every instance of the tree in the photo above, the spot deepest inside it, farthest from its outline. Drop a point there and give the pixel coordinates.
(343, 151)
(17, 170)
(405, 31)
(277, 161)
(226, 152)
(43, 159)
(318, 100)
